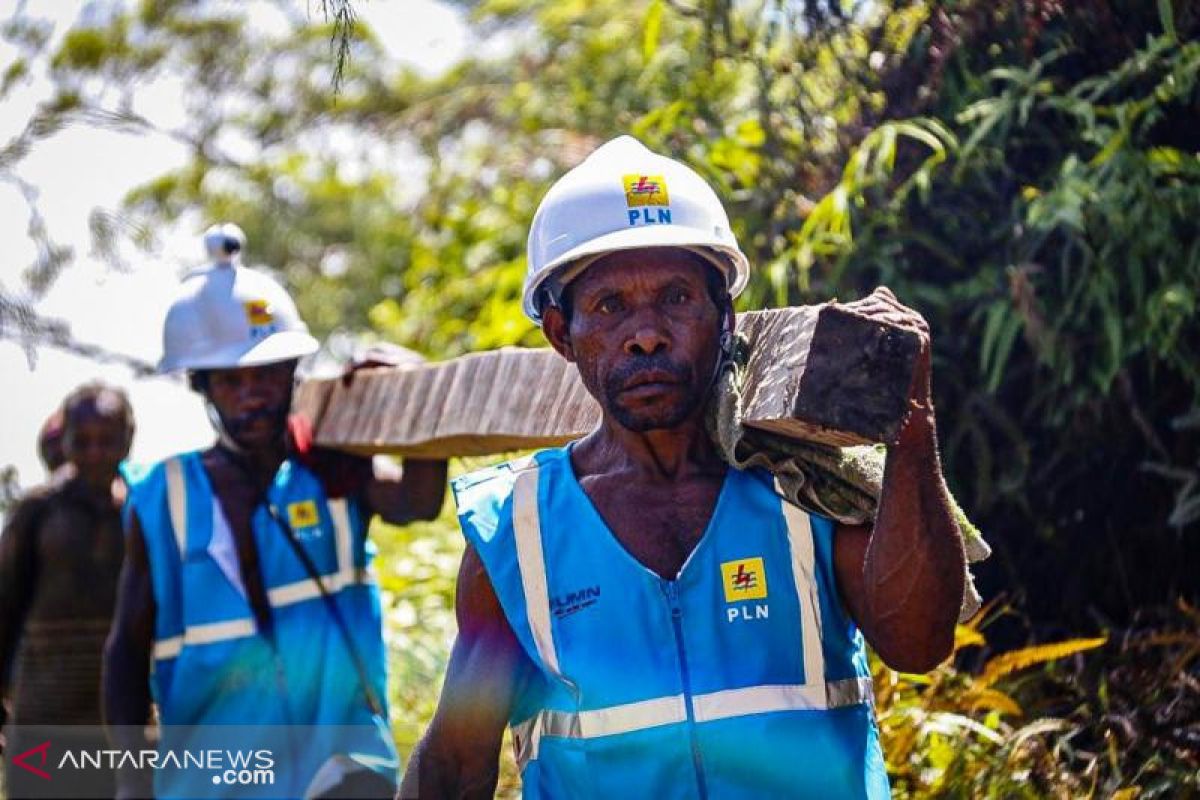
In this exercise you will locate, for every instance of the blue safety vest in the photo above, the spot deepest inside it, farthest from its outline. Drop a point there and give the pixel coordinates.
(293, 690)
(742, 678)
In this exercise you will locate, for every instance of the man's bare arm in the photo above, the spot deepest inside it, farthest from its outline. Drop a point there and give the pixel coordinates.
(903, 580)
(17, 577)
(127, 653)
(415, 493)
(458, 758)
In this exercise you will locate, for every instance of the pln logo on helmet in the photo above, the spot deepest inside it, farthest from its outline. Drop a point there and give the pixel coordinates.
(647, 199)
(260, 318)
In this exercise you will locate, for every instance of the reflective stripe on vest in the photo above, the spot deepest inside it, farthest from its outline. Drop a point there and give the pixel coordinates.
(527, 528)
(204, 634)
(817, 694)
(800, 541)
(177, 503)
(280, 596)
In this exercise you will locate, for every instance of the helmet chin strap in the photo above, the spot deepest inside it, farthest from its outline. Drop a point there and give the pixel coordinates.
(726, 344)
(224, 438)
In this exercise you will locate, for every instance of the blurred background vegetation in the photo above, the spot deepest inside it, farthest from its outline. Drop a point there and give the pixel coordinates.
(1025, 173)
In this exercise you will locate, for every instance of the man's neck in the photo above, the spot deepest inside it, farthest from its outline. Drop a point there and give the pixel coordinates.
(657, 455)
(260, 464)
(98, 495)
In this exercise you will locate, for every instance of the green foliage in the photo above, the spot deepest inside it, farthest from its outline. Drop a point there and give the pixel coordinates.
(828, 230)
(1063, 720)
(88, 48)
(1059, 245)
(757, 98)
(417, 567)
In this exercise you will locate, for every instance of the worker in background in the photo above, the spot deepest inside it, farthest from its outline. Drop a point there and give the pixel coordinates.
(60, 555)
(649, 621)
(50, 444)
(247, 597)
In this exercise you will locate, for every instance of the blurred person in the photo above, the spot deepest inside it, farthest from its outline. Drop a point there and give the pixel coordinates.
(60, 556)
(247, 597)
(649, 621)
(50, 447)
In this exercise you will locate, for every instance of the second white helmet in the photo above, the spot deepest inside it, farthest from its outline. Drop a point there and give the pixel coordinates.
(232, 316)
(624, 196)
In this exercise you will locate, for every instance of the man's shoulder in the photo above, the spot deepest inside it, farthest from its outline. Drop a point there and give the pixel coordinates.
(182, 458)
(59, 485)
(501, 477)
(32, 504)
(148, 480)
(481, 496)
(51, 489)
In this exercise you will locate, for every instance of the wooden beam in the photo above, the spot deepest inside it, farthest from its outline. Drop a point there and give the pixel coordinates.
(482, 403)
(826, 374)
(818, 373)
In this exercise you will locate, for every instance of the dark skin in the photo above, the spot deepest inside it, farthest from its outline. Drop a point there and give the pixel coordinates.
(61, 537)
(253, 402)
(644, 334)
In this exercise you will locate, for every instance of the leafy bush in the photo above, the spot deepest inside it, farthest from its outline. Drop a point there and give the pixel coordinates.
(1052, 720)
(1047, 222)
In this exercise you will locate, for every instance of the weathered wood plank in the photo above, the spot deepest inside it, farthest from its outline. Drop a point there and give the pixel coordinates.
(826, 374)
(819, 373)
(478, 404)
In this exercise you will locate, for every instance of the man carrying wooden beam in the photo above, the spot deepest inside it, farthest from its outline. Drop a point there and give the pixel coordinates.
(649, 621)
(247, 605)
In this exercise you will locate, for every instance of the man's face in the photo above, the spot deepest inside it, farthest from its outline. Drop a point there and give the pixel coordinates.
(645, 335)
(95, 440)
(253, 402)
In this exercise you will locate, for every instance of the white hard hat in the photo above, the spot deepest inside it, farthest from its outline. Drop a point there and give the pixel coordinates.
(224, 242)
(232, 316)
(621, 197)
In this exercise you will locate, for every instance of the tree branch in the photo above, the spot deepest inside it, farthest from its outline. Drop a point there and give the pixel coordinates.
(21, 323)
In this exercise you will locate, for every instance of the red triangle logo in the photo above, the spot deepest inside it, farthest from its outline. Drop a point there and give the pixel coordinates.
(41, 749)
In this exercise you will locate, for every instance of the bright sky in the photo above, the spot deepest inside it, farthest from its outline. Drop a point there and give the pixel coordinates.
(81, 169)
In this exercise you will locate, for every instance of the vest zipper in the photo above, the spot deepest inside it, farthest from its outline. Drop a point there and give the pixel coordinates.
(672, 593)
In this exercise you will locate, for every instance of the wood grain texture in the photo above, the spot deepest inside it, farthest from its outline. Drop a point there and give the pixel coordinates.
(478, 404)
(817, 373)
(826, 374)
